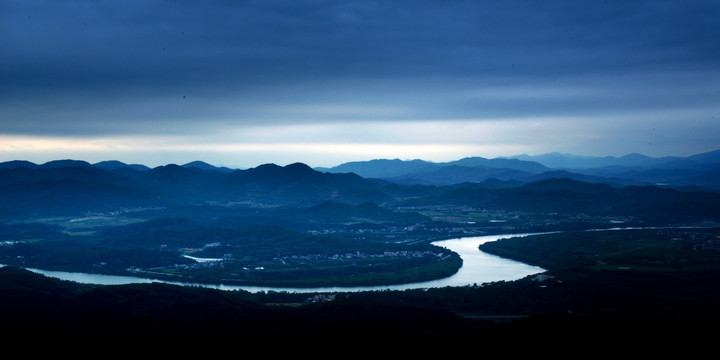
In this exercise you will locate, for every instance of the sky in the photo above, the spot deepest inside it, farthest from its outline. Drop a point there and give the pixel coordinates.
(244, 83)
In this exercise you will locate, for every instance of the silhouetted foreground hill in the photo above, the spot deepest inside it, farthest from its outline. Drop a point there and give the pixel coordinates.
(180, 319)
(657, 303)
(611, 315)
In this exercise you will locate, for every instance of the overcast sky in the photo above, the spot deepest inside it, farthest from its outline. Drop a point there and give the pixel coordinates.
(243, 83)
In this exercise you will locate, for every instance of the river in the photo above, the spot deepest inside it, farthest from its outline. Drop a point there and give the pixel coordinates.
(478, 268)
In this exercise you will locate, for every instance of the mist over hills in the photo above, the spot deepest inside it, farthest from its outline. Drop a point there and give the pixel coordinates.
(80, 186)
(397, 169)
(196, 204)
(149, 218)
(569, 161)
(632, 169)
(74, 186)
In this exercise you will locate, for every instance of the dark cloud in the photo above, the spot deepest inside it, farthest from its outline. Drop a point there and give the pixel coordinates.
(157, 66)
(90, 44)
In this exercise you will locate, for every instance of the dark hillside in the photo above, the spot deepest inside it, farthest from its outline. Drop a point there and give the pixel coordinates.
(210, 320)
(192, 184)
(297, 184)
(455, 174)
(27, 199)
(630, 313)
(566, 196)
(81, 173)
(118, 165)
(338, 213)
(17, 164)
(383, 168)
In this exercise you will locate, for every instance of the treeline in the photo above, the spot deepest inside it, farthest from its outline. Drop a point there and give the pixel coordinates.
(252, 255)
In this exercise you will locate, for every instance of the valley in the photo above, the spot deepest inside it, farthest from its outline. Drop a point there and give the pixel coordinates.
(396, 179)
(653, 271)
(295, 226)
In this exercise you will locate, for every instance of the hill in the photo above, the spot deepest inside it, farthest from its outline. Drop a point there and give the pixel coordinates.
(76, 187)
(602, 289)
(399, 169)
(294, 224)
(117, 220)
(567, 196)
(631, 169)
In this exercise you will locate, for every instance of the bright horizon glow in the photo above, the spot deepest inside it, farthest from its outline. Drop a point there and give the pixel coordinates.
(430, 140)
(239, 155)
(241, 84)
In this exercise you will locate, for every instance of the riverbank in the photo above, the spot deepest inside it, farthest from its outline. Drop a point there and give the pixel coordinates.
(601, 307)
(477, 268)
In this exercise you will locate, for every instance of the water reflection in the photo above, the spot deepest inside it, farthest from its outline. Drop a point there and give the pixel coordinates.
(478, 268)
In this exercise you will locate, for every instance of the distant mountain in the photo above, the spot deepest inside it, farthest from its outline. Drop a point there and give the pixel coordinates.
(72, 170)
(298, 184)
(471, 169)
(14, 164)
(562, 195)
(185, 184)
(455, 174)
(500, 163)
(631, 169)
(557, 160)
(383, 168)
(205, 166)
(55, 164)
(711, 157)
(76, 186)
(584, 177)
(640, 169)
(568, 161)
(641, 175)
(58, 164)
(114, 165)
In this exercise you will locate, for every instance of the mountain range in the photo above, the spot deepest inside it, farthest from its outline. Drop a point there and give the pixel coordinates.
(71, 184)
(701, 170)
(689, 186)
(259, 210)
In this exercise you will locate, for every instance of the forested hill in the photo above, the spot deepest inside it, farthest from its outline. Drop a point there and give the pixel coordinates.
(76, 187)
(633, 169)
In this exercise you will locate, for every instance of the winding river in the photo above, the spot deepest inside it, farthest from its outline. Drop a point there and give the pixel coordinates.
(478, 268)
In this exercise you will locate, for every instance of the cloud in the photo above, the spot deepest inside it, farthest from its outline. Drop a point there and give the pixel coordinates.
(251, 74)
(165, 44)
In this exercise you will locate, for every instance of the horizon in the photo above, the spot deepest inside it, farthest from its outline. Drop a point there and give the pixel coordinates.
(518, 156)
(240, 84)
